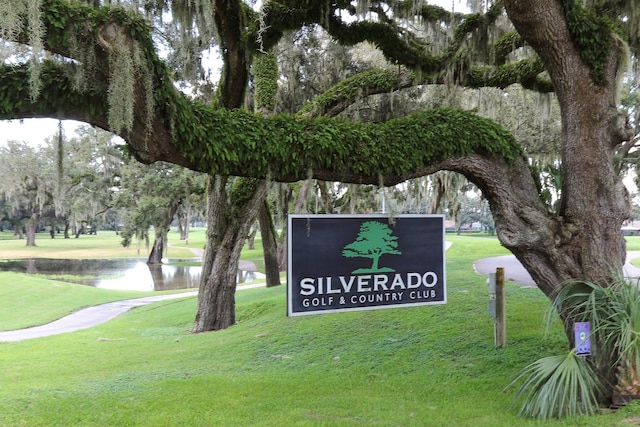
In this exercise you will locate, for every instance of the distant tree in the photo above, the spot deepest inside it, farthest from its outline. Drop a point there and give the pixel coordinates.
(192, 206)
(27, 182)
(374, 240)
(475, 209)
(151, 196)
(87, 169)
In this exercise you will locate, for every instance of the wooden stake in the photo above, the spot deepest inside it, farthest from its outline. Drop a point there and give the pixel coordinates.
(500, 326)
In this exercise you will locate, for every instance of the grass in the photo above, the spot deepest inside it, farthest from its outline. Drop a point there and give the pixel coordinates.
(419, 366)
(106, 244)
(34, 300)
(29, 301)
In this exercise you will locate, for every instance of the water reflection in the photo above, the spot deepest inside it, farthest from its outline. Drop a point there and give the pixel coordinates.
(122, 274)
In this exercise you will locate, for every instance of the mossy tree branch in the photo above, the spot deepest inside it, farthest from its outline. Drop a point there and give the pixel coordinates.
(399, 47)
(243, 144)
(283, 148)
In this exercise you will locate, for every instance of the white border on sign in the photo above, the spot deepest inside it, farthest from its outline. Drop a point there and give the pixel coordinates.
(290, 312)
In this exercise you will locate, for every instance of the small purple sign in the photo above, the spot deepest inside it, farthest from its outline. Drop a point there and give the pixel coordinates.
(583, 338)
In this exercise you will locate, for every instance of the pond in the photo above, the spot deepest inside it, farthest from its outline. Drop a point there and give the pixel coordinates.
(122, 274)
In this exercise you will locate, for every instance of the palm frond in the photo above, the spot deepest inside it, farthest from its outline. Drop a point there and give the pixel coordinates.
(558, 386)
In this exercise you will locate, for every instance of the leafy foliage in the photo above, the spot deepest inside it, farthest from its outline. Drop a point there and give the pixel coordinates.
(614, 313)
(151, 195)
(567, 385)
(592, 34)
(76, 30)
(234, 139)
(350, 88)
(558, 386)
(238, 139)
(265, 70)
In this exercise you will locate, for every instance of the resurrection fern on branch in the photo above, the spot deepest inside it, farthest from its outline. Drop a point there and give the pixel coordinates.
(394, 147)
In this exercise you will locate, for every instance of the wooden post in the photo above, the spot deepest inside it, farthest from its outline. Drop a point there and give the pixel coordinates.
(500, 326)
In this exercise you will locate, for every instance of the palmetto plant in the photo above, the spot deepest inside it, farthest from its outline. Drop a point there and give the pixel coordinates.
(558, 386)
(567, 385)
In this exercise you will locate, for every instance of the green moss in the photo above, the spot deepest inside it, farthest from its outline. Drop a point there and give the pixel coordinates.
(592, 34)
(506, 44)
(350, 88)
(242, 191)
(504, 75)
(265, 71)
(221, 141)
(57, 89)
(72, 28)
(470, 23)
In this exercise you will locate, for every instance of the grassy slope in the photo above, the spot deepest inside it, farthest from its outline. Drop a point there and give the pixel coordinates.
(421, 366)
(27, 300)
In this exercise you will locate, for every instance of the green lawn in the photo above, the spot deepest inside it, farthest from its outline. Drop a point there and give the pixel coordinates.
(106, 244)
(419, 366)
(27, 300)
(33, 300)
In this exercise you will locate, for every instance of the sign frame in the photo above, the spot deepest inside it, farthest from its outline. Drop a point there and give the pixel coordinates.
(394, 279)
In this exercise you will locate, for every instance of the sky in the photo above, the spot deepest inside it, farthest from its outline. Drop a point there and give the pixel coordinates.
(35, 131)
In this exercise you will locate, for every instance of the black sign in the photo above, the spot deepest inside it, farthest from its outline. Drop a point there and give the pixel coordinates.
(362, 262)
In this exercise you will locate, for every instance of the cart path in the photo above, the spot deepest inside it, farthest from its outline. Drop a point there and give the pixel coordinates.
(93, 316)
(96, 315)
(515, 272)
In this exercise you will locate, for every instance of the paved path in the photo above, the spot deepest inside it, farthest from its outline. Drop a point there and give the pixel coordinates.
(93, 316)
(515, 272)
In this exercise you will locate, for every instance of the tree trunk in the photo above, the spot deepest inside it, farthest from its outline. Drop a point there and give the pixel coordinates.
(301, 200)
(251, 238)
(299, 207)
(181, 228)
(81, 230)
(187, 224)
(32, 226)
(19, 231)
(269, 246)
(227, 225)
(584, 240)
(285, 194)
(354, 189)
(161, 230)
(282, 250)
(155, 257)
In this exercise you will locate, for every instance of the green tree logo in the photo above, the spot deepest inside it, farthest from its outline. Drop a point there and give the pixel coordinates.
(374, 240)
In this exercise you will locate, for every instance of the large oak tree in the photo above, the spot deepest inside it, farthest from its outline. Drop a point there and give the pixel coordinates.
(103, 68)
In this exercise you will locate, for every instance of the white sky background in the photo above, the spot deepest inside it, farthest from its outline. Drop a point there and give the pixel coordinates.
(34, 131)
